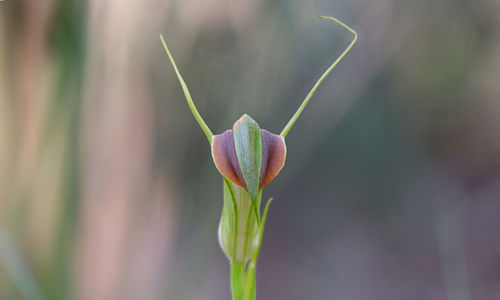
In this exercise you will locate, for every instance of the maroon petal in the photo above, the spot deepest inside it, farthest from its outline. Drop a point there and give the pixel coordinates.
(273, 156)
(225, 158)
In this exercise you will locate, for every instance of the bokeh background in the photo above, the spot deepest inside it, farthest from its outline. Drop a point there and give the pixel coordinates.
(391, 188)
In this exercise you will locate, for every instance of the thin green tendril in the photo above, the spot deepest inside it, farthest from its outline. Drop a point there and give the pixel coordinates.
(311, 93)
(189, 100)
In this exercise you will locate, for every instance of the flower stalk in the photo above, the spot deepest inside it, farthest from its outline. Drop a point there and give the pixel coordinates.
(248, 159)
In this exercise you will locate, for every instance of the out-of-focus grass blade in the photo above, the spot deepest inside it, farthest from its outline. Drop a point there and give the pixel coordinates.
(18, 269)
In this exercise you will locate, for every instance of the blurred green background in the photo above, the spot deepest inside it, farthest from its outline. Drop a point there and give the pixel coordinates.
(391, 188)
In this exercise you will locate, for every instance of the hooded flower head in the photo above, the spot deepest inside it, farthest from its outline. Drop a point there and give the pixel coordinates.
(248, 156)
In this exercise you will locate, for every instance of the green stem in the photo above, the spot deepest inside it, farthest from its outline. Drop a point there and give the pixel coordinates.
(251, 280)
(189, 100)
(313, 90)
(237, 280)
(251, 273)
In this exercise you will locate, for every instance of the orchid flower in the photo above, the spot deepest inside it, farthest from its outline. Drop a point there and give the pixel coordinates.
(248, 159)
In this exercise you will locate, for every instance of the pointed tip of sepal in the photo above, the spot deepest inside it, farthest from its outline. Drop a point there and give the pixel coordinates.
(245, 121)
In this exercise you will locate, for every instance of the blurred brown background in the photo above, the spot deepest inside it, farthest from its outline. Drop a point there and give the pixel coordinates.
(391, 188)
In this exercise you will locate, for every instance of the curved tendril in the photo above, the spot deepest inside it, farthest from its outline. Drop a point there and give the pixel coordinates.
(189, 100)
(311, 93)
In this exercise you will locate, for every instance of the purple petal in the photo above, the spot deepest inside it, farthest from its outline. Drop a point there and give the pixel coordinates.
(224, 155)
(273, 156)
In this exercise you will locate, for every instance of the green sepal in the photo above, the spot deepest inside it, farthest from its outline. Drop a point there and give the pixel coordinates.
(248, 145)
(239, 225)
